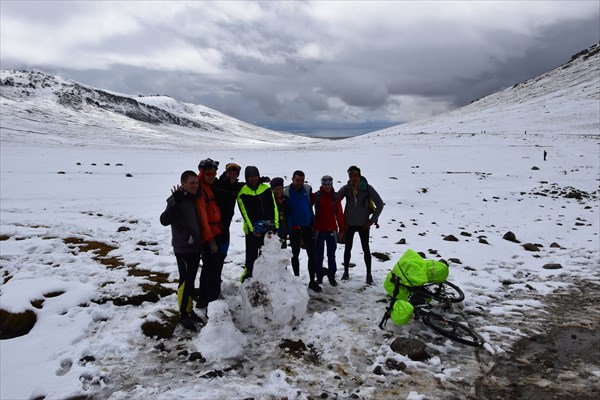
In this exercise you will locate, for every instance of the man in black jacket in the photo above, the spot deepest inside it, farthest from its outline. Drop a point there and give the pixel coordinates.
(226, 189)
(181, 213)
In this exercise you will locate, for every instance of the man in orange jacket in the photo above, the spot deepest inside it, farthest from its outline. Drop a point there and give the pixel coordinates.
(209, 215)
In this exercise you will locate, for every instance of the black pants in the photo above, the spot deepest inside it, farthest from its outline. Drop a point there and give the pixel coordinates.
(210, 276)
(253, 245)
(297, 236)
(363, 233)
(188, 264)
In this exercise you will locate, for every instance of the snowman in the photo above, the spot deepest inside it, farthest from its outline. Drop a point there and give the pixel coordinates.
(273, 297)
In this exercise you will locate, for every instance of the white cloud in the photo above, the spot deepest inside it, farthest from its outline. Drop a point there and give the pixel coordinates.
(322, 60)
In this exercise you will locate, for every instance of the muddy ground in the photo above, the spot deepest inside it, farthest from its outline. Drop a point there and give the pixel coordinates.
(561, 363)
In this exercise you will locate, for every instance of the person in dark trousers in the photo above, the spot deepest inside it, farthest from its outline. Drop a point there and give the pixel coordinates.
(329, 223)
(282, 208)
(300, 225)
(545, 154)
(226, 189)
(362, 209)
(257, 204)
(209, 215)
(182, 214)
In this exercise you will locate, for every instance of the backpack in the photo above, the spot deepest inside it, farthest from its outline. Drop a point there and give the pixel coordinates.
(410, 270)
(318, 202)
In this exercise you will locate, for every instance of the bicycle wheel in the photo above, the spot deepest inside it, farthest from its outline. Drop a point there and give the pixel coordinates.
(452, 329)
(445, 291)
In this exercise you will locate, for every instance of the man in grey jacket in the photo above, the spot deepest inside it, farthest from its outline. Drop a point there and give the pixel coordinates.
(182, 214)
(363, 207)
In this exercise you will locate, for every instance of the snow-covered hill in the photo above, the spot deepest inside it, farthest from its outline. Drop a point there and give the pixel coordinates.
(48, 109)
(565, 100)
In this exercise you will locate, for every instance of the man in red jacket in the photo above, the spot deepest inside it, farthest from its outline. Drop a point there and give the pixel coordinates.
(329, 221)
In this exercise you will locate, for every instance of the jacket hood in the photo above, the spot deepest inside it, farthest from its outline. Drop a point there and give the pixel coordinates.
(251, 171)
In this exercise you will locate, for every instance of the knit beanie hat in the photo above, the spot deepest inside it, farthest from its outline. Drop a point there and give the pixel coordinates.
(251, 170)
(233, 167)
(276, 182)
(326, 180)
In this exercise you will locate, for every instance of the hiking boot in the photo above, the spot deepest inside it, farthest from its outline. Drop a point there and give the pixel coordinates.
(196, 318)
(332, 281)
(345, 277)
(314, 286)
(369, 279)
(188, 324)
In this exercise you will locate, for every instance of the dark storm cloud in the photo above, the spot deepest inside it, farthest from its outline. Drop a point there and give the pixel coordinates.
(286, 64)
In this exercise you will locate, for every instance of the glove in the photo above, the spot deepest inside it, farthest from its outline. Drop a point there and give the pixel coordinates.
(213, 247)
(178, 196)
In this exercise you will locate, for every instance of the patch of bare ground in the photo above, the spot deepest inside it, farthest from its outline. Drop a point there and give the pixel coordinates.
(100, 250)
(563, 362)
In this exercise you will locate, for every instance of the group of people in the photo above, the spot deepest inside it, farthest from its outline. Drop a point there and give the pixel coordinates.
(201, 208)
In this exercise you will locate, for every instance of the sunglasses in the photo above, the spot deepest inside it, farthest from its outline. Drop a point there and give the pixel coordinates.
(326, 182)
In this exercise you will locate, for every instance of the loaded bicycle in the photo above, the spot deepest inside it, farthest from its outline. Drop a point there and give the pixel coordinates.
(445, 295)
(417, 286)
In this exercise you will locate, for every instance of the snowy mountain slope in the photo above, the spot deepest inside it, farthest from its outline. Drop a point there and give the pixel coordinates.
(53, 109)
(565, 100)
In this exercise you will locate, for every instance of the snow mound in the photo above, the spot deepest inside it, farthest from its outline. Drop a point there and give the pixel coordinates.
(273, 297)
(220, 339)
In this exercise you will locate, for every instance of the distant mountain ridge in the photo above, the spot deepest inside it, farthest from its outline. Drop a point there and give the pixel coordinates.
(565, 100)
(43, 104)
(40, 108)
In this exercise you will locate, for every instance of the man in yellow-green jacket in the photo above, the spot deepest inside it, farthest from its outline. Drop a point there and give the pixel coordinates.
(257, 205)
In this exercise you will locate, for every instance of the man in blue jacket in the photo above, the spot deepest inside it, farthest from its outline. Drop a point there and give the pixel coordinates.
(300, 225)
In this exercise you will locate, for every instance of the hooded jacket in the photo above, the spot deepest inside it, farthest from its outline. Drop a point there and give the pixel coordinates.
(257, 204)
(357, 208)
(300, 206)
(209, 212)
(185, 226)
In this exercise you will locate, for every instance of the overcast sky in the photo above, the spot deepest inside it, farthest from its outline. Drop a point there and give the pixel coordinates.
(300, 65)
